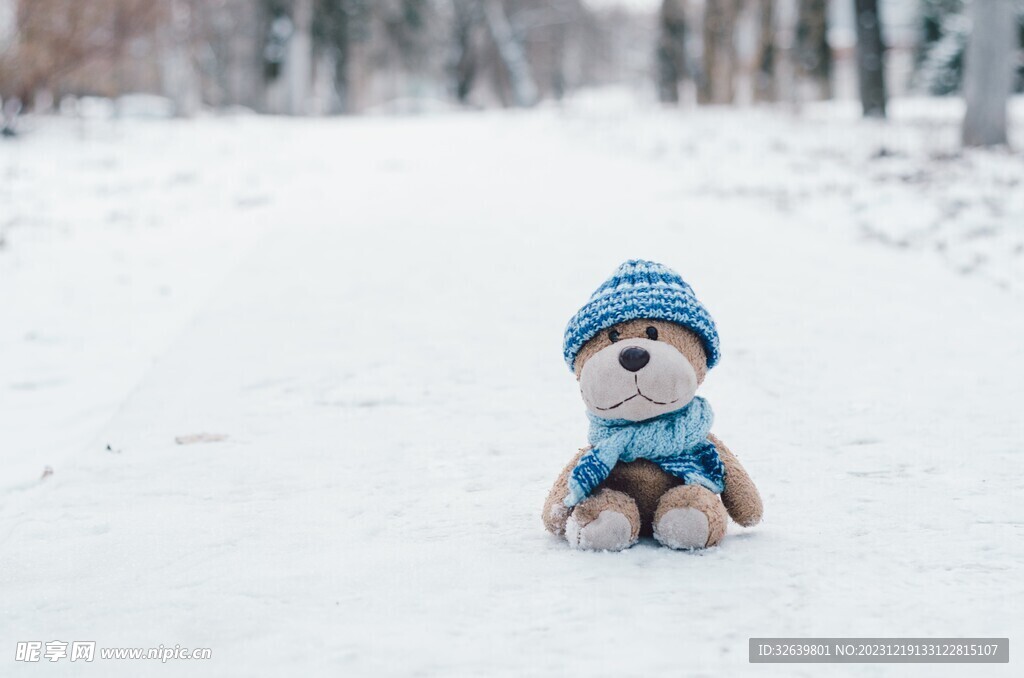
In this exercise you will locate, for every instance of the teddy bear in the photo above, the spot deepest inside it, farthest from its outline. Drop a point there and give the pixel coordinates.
(639, 348)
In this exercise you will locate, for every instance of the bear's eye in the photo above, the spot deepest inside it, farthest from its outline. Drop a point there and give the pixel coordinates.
(613, 335)
(652, 333)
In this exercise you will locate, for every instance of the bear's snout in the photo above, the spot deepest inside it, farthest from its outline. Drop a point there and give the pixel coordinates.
(637, 379)
(634, 358)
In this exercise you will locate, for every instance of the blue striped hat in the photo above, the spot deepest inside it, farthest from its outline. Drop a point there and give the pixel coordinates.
(640, 289)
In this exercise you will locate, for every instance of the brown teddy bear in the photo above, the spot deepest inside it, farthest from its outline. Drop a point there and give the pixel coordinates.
(639, 348)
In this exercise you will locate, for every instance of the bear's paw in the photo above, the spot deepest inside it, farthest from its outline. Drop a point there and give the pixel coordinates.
(610, 531)
(683, 528)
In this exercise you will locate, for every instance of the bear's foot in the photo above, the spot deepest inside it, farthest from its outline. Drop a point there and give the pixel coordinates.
(683, 528)
(607, 521)
(689, 517)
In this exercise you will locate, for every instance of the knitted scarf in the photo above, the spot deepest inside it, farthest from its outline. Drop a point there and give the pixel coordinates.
(677, 442)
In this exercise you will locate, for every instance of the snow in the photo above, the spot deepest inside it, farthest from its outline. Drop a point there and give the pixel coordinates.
(300, 386)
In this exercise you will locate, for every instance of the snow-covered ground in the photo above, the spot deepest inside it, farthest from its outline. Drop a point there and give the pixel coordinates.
(370, 310)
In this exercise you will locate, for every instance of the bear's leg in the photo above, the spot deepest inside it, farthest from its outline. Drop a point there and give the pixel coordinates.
(689, 517)
(606, 521)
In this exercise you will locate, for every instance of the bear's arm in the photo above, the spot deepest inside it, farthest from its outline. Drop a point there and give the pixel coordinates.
(555, 512)
(740, 496)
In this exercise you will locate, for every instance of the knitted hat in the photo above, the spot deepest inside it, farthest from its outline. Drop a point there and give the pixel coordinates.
(640, 289)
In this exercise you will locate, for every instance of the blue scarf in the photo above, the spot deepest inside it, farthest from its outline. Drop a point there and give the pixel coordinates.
(677, 442)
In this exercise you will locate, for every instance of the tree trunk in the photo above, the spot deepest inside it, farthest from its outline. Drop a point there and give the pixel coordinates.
(524, 88)
(179, 79)
(341, 53)
(813, 54)
(671, 51)
(464, 60)
(298, 63)
(719, 69)
(988, 74)
(870, 58)
(341, 80)
(764, 77)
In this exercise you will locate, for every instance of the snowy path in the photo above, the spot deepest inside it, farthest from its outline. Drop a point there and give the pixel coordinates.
(385, 361)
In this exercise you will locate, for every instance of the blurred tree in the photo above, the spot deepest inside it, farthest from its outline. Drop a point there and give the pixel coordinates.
(410, 46)
(179, 79)
(464, 62)
(405, 25)
(56, 40)
(317, 41)
(551, 33)
(671, 50)
(225, 42)
(988, 74)
(870, 58)
(718, 70)
(510, 51)
(1018, 85)
(9, 111)
(812, 51)
(939, 61)
(1018, 79)
(298, 65)
(764, 76)
(276, 30)
(940, 57)
(340, 28)
(314, 56)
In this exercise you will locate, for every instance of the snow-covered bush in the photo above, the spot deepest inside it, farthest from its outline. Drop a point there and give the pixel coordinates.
(945, 29)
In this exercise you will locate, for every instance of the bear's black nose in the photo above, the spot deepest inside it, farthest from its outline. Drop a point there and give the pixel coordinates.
(633, 358)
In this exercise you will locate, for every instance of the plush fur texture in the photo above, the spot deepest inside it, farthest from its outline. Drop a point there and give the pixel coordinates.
(555, 513)
(682, 339)
(683, 528)
(666, 383)
(740, 497)
(605, 521)
(672, 519)
(640, 289)
(676, 441)
(640, 490)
